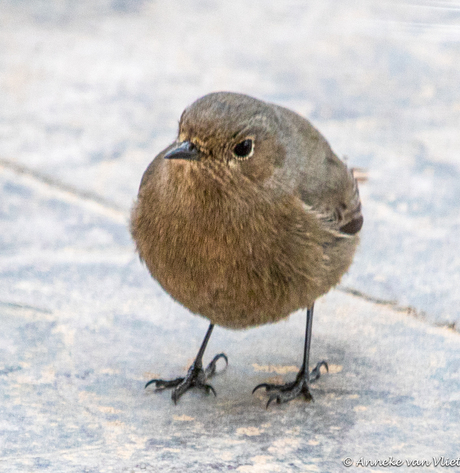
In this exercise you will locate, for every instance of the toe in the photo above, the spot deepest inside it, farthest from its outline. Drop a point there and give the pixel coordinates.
(316, 372)
(263, 385)
(209, 389)
(161, 384)
(211, 368)
(272, 398)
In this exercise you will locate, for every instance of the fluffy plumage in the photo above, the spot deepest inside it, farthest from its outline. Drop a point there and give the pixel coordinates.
(247, 241)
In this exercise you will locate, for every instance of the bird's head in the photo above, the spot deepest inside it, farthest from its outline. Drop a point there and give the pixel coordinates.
(233, 131)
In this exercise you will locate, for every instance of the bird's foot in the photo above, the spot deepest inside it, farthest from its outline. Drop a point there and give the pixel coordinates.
(195, 378)
(287, 392)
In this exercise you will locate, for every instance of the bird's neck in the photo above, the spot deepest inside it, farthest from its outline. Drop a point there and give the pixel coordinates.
(215, 191)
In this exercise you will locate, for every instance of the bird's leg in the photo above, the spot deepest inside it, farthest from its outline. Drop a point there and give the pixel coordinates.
(196, 376)
(287, 392)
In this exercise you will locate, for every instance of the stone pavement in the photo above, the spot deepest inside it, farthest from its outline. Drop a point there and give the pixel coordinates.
(89, 93)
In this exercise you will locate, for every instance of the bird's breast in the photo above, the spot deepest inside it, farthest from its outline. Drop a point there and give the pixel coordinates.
(234, 256)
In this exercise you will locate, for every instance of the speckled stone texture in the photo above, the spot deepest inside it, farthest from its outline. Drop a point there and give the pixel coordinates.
(89, 93)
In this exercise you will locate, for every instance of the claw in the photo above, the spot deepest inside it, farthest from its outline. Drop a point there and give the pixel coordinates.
(263, 385)
(307, 395)
(196, 378)
(287, 392)
(316, 371)
(209, 388)
(152, 381)
(211, 368)
(272, 398)
(162, 384)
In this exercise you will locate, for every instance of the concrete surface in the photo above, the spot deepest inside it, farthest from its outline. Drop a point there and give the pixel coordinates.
(89, 93)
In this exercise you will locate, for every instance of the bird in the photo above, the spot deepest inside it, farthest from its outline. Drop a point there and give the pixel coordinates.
(247, 217)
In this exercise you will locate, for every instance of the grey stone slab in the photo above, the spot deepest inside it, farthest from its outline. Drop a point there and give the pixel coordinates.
(89, 93)
(84, 327)
(92, 91)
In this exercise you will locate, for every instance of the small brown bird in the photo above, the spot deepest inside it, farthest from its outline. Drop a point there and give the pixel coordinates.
(247, 217)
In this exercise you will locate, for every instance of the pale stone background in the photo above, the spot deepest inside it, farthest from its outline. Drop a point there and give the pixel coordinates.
(89, 93)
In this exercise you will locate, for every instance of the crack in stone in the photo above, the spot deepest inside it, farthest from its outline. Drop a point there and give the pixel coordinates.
(410, 310)
(43, 178)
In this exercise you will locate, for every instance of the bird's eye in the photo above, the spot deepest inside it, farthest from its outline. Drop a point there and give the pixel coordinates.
(244, 149)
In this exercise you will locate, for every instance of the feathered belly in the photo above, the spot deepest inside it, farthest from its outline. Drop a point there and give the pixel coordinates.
(243, 272)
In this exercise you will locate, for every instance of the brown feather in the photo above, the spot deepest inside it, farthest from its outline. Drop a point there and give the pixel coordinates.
(245, 242)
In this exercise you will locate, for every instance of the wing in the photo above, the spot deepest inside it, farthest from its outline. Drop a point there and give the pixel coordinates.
(349, 217)
(321, 179)
(339, 201)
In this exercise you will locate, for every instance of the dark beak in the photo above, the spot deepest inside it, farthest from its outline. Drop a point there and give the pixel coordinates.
(184, 150)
